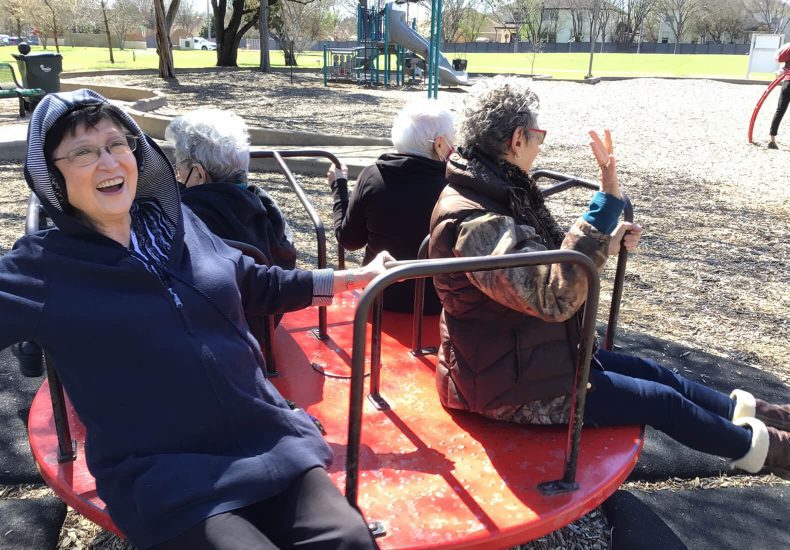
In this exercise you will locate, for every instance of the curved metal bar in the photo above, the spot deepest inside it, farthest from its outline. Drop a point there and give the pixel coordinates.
(423, 268)
(278, 156)
(765, 95)
(34, 221)
(569, 182)
(67, 447)
(419, 303)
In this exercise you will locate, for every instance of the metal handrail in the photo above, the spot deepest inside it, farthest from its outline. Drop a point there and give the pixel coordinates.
(67, 448)
(320, 234)
(423, 268)
(569, 182)
(419, 306)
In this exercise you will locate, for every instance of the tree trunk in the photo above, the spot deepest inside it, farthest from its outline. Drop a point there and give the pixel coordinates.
(163, 42)
(172, 11)
(287, 46)
(227, 55)
(54, 25)
(107, 30)
(263, 33)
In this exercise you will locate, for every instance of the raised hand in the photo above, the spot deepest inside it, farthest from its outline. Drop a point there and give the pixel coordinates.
(604, 155)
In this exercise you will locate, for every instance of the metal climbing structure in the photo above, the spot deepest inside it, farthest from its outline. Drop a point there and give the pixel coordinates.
(375, 48)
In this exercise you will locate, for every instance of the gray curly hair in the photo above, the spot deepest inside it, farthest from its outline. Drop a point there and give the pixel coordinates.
(216, 139)
(495, 110)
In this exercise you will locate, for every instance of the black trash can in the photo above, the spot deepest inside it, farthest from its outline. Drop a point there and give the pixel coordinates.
(40, 70)
(459, 64)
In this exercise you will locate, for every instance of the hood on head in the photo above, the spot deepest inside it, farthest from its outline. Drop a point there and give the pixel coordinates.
(156, 179)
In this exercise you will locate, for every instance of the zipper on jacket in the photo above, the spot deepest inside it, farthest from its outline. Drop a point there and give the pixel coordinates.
(256, 352)
(179, 305)
(172, 294)
(176, 299)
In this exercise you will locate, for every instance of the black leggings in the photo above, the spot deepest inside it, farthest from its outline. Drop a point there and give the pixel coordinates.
(784, 100)
(310, 514)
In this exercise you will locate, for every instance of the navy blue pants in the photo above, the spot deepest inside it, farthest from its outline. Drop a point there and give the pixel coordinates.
(631, 390)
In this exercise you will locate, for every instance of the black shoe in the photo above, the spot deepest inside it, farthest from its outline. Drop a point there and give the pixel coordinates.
(772, 145)
(31, 359)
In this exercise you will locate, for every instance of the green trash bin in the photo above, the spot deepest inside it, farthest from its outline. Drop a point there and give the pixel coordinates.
(40, 70)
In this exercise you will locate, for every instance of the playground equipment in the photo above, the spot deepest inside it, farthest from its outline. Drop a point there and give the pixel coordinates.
(423, 476)
(383, 32)
(778, 80)
(760, 51)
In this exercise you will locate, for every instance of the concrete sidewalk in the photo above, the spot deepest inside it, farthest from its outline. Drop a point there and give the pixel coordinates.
(13, 142)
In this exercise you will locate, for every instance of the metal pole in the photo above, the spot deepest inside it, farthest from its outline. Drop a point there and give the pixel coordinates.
(431, 46)
(437, 50)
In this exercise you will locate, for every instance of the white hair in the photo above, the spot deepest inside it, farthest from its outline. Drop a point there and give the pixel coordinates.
(418, 124)
(216, 139)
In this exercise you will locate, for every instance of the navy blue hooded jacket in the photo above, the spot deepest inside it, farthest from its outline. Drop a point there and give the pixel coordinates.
(181, 424)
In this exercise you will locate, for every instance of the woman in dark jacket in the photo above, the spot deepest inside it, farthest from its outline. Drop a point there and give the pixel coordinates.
(142, 310)
(212, 150)
(391, 204)
(510, 337)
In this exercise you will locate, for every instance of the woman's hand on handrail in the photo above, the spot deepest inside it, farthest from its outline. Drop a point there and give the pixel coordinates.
(336, 173)
(604, 155)
(629, 234)
(350, 279)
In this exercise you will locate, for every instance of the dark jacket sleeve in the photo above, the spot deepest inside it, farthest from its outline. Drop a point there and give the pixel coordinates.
(22, 297)
(266, 290)
(351, 229)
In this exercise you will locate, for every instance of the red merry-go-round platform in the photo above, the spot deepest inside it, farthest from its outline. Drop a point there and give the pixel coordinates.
(432, 477)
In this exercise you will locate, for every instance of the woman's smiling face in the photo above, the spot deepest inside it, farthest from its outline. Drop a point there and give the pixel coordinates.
(104, 189)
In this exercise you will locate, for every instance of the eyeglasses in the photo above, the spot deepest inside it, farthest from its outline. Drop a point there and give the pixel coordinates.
(540, 135)
(87, 155)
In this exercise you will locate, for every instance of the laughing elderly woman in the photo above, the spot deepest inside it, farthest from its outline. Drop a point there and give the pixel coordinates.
(391, 204)
(142, 309)
(510, 336)
(212, 150)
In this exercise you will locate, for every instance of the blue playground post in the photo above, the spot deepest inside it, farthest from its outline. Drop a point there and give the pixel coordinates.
(433, 51)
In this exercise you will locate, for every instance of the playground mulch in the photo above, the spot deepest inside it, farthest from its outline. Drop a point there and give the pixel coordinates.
(710, 278)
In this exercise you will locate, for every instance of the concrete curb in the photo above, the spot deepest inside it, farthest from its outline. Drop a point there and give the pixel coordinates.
(15, 151)
(143, 100)
(140, 98)
(154, 126)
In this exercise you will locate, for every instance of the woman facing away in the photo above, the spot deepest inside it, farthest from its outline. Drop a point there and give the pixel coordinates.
(509, 337)
(142, 310)
(212, 150)
(391, 204)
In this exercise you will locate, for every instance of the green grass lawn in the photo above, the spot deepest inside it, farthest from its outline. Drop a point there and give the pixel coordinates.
(558, 65)
(84, 59)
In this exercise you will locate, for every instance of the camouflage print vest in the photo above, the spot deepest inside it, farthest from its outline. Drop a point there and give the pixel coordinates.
(492, 357)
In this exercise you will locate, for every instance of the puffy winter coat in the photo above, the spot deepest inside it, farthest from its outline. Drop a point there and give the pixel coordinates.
(508, 337)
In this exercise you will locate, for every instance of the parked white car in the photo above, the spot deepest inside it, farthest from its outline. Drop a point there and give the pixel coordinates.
(203, 44)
